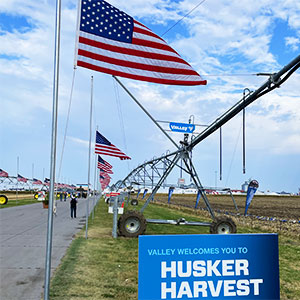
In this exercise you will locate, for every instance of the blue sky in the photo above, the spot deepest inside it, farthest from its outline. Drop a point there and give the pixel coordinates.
(225, 41)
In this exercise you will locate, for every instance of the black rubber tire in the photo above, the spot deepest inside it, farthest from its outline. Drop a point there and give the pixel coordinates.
(134, 202)
(3, 199)
(223, 225)
(132, 224)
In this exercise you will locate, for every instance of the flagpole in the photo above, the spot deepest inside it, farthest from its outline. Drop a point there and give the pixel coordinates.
(32, 176)
(17, 179)
(53, 151)
(89, 164)
(94, 186)
(95, 181)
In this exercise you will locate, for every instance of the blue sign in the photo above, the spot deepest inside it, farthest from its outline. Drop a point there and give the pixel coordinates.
(235, 266)
(181, 127)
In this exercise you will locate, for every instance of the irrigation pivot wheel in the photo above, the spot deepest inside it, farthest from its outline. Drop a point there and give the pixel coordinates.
(223, 225)
(134, 202)
(132, 224)
(3, 199)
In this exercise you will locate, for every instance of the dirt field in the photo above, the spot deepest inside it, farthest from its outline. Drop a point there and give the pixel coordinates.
(21, 195)
(280, 207)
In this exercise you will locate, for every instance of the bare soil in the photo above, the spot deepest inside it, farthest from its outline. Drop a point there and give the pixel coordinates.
(280, 207)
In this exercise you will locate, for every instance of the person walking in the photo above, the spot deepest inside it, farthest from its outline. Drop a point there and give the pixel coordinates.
(73, 205)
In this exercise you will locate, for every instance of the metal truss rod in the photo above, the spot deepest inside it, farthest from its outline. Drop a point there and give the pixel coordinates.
(196, 180)
(156, 160)
(273, 82)
(162, 179)
(145, 111)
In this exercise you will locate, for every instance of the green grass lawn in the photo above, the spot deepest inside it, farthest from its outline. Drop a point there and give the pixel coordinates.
(106, 268)
(19, 202)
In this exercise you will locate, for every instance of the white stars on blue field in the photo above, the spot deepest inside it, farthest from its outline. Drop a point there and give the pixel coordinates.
(102, 19)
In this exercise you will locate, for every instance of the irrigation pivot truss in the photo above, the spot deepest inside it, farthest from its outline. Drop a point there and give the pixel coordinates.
(155, 172)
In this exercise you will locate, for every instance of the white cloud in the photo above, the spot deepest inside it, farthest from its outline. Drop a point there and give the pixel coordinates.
(219, 37)
(292, 42)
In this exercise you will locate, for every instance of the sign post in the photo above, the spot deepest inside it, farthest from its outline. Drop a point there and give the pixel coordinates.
(239, 266)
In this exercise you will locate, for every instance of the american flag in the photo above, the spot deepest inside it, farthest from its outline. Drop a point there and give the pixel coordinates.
(105, 175)
(21, 178)
(105, 147)
(104, 182)
(108, 171)
(36, 181)
(3, 173)
(110, 41)
(103, 164)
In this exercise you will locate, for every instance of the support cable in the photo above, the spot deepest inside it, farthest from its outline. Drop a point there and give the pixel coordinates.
(67, 124)
(121, 119)
(233, 155)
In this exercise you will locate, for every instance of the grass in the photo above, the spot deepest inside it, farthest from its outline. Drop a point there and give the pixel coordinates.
(19, 202)
(106, 268)
(22, 199)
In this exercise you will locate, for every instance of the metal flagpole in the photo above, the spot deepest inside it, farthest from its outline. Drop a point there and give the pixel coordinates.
(17, 179)
(53, 151)
(89, 164)
(221, 153)
(94, 182)
(32, 176)
(94, 190)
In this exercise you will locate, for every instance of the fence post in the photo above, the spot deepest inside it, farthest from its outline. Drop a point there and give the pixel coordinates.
(115, 216)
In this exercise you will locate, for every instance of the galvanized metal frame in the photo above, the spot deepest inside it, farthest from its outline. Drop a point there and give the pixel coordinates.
(185, 149)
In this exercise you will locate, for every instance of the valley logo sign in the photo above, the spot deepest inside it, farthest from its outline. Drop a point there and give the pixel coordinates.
(235, 266)
(182, 127)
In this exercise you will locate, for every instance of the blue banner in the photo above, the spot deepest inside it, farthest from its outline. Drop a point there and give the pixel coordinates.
(182, 127)
(145, 192)
(171, 190)
(252, 188)
(138, 192)
(198, 198)
(234, 266)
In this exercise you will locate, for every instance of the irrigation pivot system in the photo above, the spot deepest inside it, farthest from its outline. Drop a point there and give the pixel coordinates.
(154, 172)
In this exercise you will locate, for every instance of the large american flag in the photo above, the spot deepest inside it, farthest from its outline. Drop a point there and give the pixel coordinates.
(105, 147)
(3, 173)
(110, 41)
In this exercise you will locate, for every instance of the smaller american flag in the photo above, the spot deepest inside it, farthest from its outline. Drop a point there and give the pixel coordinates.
(3, 173)
(105, 147)
(103, 164)
(21, 178)
(36, 181)
(108, 171)
(105, 175)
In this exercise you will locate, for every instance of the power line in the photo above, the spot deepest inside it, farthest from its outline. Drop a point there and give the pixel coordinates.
(183, 17)
(227, 74)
